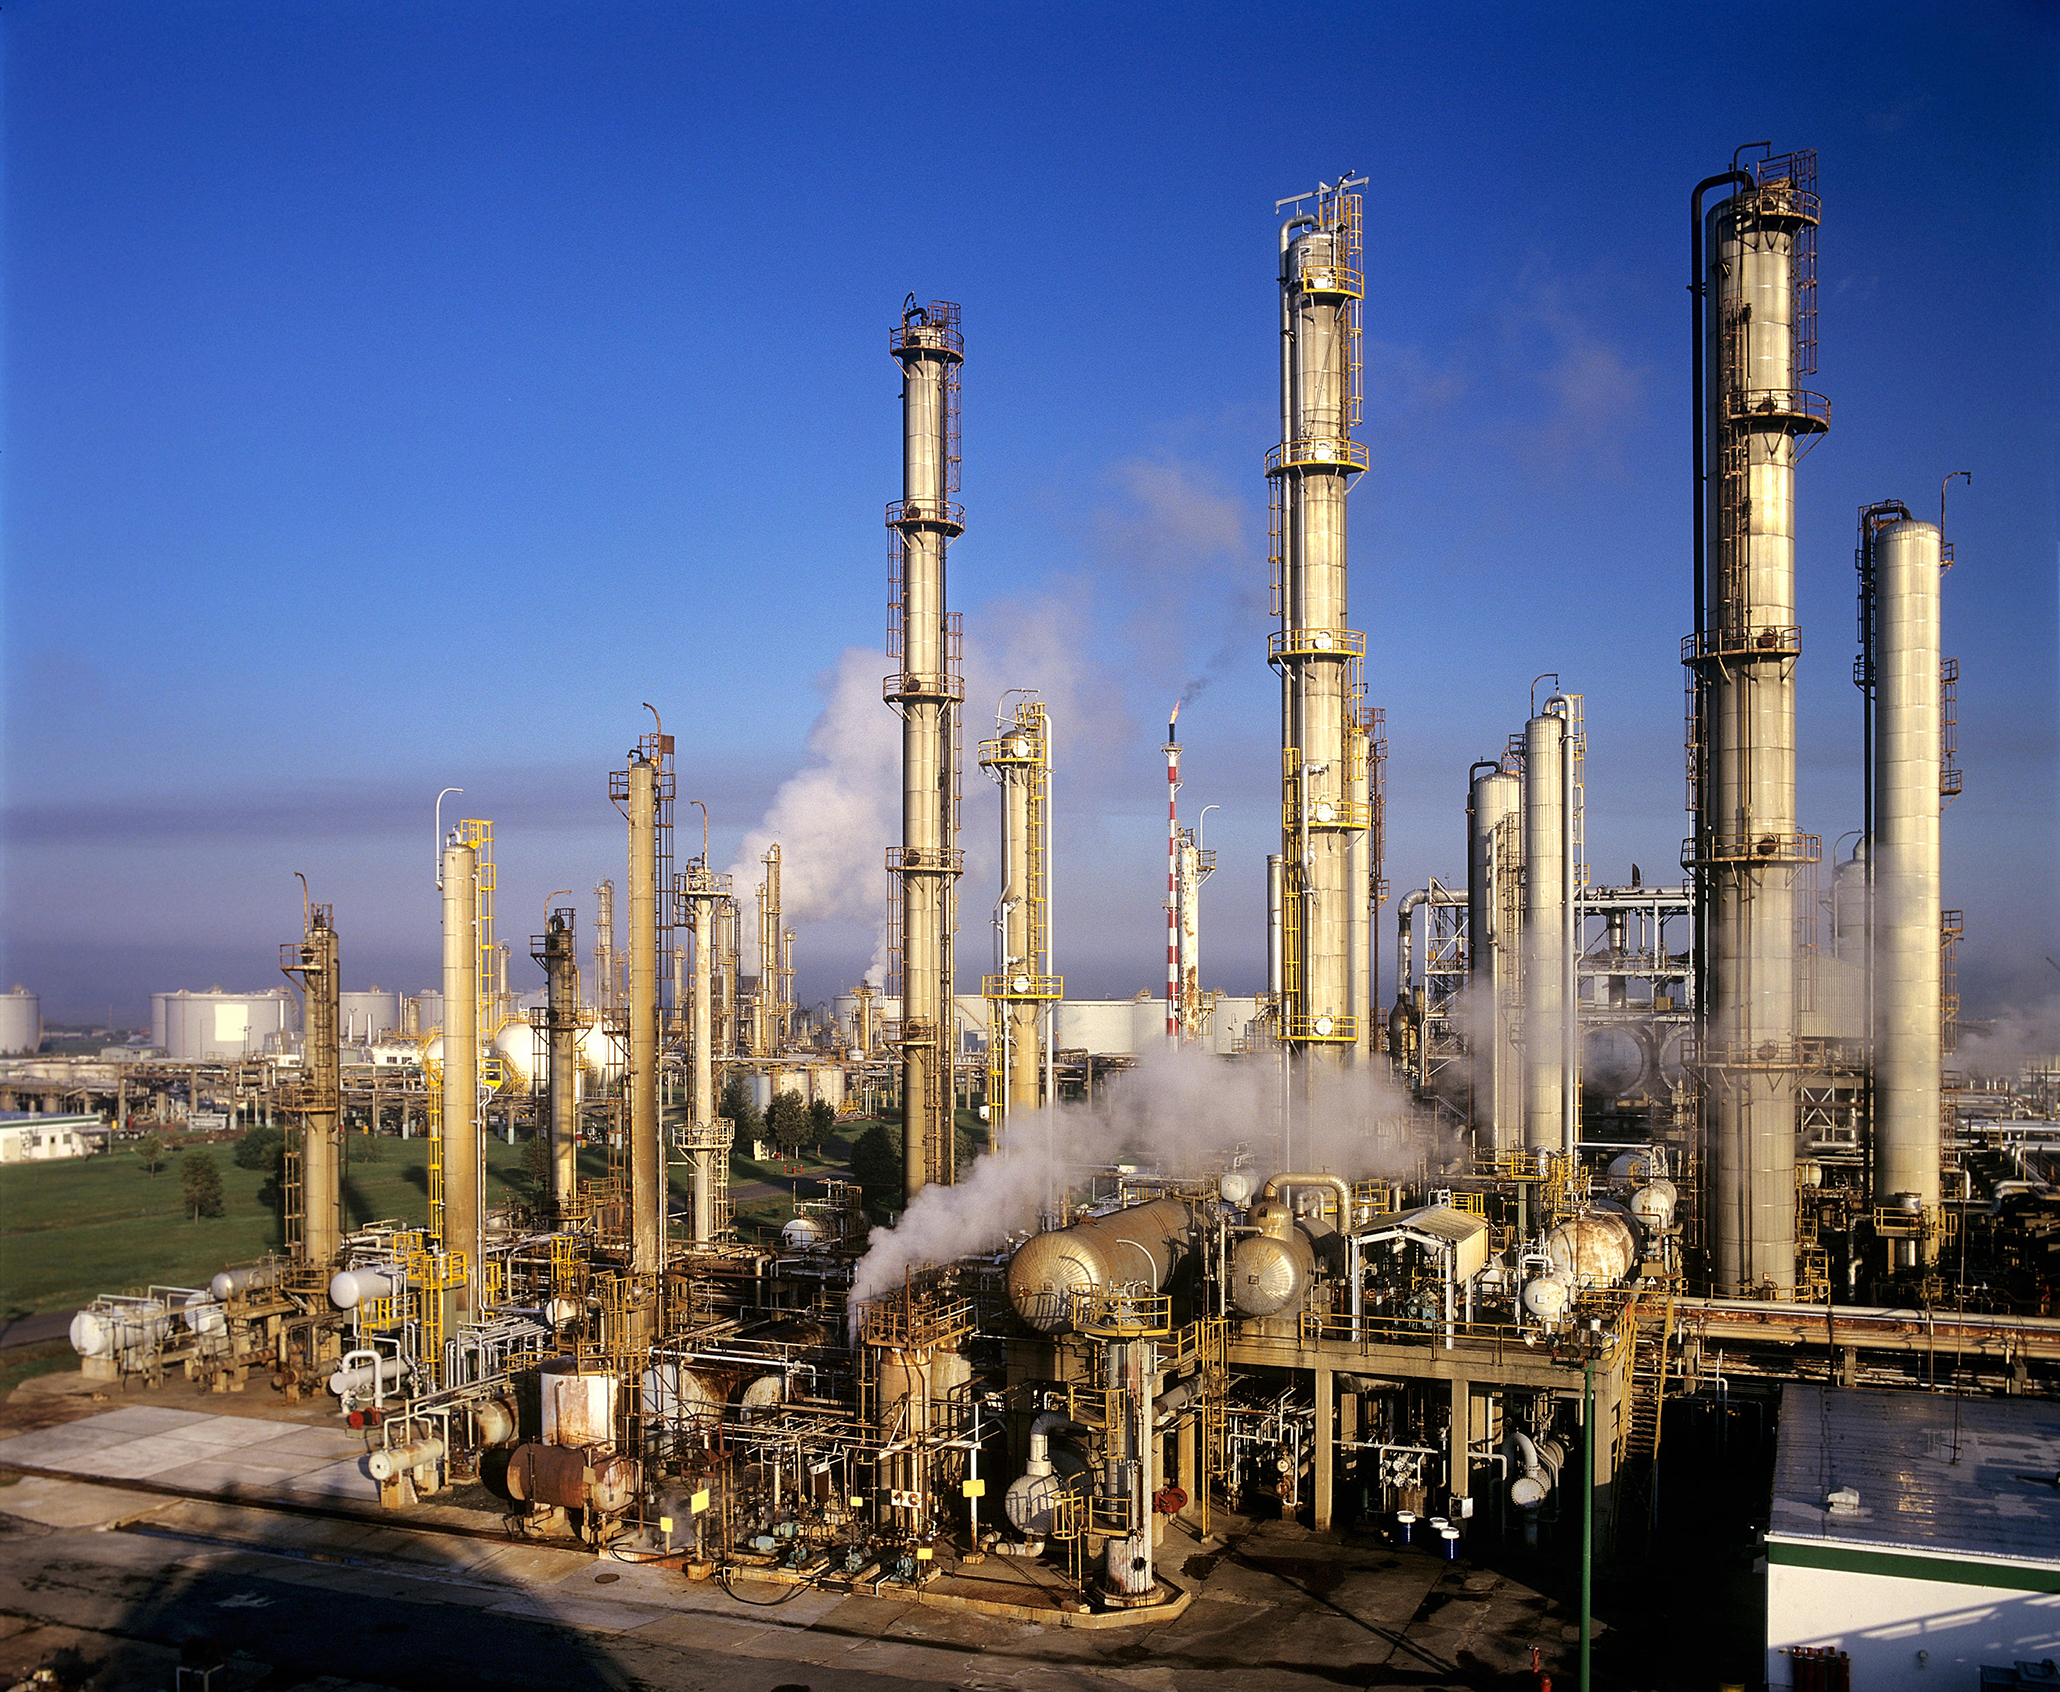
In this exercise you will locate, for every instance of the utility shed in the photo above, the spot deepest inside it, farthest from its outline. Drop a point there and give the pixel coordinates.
(1921, 1550)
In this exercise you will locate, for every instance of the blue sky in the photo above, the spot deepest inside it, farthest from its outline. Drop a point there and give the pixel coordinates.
(397, 396)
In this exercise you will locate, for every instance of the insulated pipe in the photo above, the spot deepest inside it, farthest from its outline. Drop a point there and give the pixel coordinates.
(1544, 931)
(1905, 855)
(1337, 1184)
(464, 1200)
(1275, 903)
(647, 1243)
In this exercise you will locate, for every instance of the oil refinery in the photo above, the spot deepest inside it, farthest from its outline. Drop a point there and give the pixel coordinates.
(1432, 1240)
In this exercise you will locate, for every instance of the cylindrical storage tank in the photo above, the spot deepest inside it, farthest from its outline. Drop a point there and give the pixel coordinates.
(548, 1474)
(1849, 906)
(348, 1288)
(1653, 1205)
(1147, 1025)
(1098, 1026)
(951, 1374)
(1908, 1039)
(495, 1421)
(363, 1016)
(233, 1283)
(124, 1331)
(1272, 1270)
(763, 1392)
(904, 1393)
(203, 1315)
(674, 1392)
(1636, 1166)
(218, 1027)
(428, 1009)
(1597, 1248)
(803, 1233)
(761, 1092)
(1051, 1271)
(1549, 1296)
(21, 1022)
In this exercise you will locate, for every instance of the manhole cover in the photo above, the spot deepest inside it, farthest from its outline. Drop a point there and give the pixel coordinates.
(606, 1579)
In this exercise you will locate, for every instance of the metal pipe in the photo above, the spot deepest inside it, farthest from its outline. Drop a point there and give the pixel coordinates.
(1337, 1184)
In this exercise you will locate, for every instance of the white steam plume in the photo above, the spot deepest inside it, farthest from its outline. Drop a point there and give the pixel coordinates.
(1181, 1112)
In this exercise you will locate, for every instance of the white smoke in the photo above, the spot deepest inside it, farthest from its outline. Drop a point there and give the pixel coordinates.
(834, 818)
(1181, 1113)
(2022, 1036)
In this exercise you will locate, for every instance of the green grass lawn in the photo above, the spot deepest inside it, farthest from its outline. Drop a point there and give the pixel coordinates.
(71, 1229)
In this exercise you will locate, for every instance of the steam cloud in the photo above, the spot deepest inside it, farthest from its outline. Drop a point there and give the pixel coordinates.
(1184, 1113)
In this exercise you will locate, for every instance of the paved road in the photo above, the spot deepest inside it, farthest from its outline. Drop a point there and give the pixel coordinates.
(301, 1605)
(32, 1330)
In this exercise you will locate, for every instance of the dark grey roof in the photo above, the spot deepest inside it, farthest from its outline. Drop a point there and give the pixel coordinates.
(1897, 1451)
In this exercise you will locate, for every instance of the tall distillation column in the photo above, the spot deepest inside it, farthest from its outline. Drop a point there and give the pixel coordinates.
(557, 949)
(1904, 956)
(1552, 872)
(1025, 987)
(1325, 814)
(1494, 914)
(1755, 277)
(314, 960)
(768, 1034)
(644, 793)
(703, 897)
(1172, 750)
(462, 1196)
(926, 690)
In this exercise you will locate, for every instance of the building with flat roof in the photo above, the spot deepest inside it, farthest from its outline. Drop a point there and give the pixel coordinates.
(1916, 1532)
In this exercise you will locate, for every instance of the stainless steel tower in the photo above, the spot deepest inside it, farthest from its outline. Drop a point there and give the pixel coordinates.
(557, 949)
(1495, 860)
(1326, 1014)
(705, 1140)
(644, 793)
(927, 690)
(1900, 563)
(314, 960)
(1021, 993)
(1754, 277)
(457, 1188)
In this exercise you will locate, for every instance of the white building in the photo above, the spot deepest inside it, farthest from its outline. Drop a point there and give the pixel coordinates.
(1917, 1534)
(37, 1139)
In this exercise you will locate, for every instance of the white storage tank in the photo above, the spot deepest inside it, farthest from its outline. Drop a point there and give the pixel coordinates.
(219, 1027)
(1097, 1025)
(363, 1016)
(21, 1022)
(428, 1010)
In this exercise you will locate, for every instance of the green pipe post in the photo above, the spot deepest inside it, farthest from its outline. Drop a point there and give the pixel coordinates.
(1587, 1509)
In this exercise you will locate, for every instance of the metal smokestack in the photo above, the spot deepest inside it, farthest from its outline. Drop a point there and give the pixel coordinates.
(1755, 263)
(927, 691)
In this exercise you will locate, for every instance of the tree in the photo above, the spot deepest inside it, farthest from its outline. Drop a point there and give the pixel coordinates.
(262, 1148)
(876, 1162)
(739, 1107)
(202, 1183)
(787, 1124)
(822, 1118)
(151, 1149)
